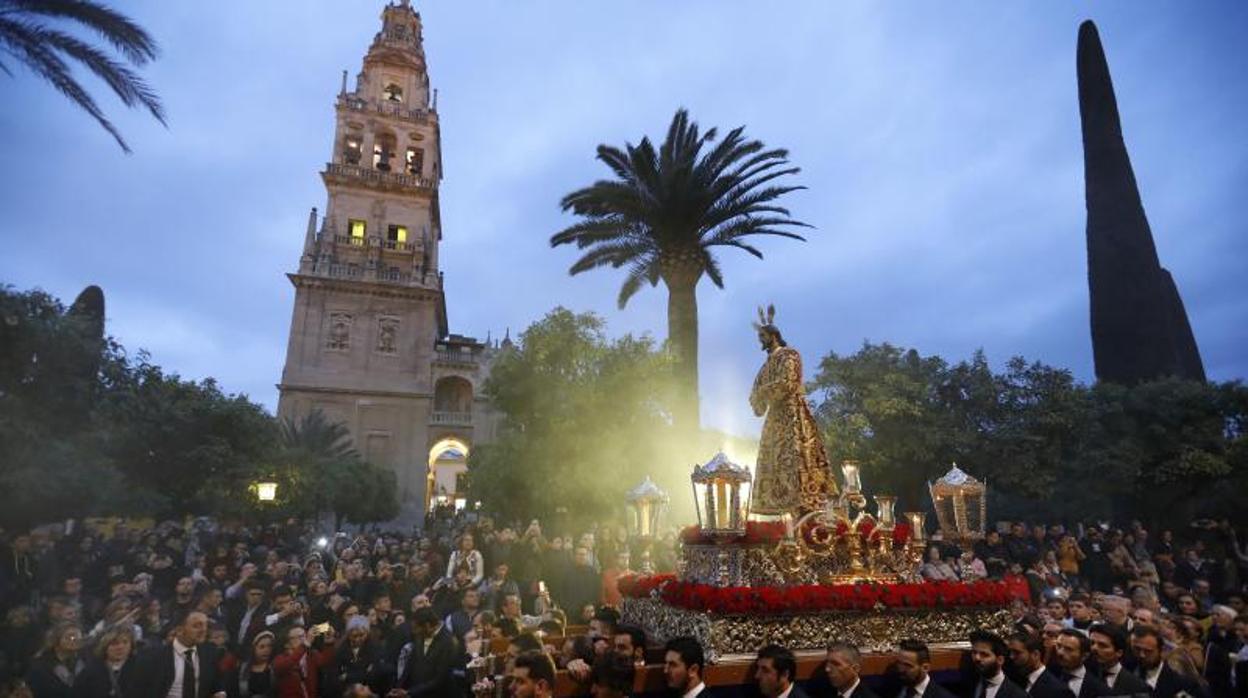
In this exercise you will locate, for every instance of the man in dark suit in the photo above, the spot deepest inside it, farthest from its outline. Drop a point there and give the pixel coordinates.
(1027, 658)
(436, 660)
(913, 662)
(775, 670)
(185, 667)
(841, 669)
(1071, 657)
(988, 657)
(1109, 646)
(1165, 682)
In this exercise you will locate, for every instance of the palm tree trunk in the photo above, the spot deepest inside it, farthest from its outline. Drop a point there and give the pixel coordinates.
(682, 332)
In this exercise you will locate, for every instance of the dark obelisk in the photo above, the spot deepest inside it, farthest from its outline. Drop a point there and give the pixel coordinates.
(1140, 329)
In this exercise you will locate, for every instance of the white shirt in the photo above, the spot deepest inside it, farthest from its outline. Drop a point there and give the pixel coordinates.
(1151, 676)
(1033, 677)
(695, 691)
(993, 684)
(921, 687)
(850, 691)
(1076, 679)
(179, 659)
(1111, 674)
(787, 691)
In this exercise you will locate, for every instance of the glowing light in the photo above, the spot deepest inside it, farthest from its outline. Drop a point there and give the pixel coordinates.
(266, 491)
(322, 542)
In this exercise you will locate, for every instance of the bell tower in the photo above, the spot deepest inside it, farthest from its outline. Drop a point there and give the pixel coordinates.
(369, 334)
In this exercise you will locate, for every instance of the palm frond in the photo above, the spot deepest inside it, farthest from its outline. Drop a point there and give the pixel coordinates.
(123, 33)
(22, 40)
(643, 272)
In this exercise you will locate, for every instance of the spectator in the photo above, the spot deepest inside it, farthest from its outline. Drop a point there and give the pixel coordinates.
(254, 677)
(57, 666)
(683, 662)
(297, 670)
(842, 666)
(775, 670)
(1073, 649)
(533, 676)
(610, 595)
(913, 661)
(183, 665)
(988, 659)
(612, 677)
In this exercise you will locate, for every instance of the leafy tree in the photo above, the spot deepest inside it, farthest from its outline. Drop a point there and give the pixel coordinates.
(28, 33)
(584, 419)
(1165, 450)
(323, 472)
(664, 211)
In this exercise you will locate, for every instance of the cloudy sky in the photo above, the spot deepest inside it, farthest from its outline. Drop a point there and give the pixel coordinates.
(939, 141)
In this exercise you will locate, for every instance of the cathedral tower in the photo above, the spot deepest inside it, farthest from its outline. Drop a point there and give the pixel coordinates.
(369, 341)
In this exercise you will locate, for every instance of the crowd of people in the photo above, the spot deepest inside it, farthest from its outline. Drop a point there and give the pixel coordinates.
(202, 610)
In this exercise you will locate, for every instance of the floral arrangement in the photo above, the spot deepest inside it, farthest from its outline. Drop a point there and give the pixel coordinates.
(815, 598)
(770, 532)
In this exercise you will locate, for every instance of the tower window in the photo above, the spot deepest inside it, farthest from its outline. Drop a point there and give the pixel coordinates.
(415, 161)
(351, 150)
(358, 228)
(397, 233)
(383, 150)
(393, 93)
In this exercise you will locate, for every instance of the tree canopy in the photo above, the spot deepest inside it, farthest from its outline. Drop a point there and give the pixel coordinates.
(1163, 448)
(585, 418)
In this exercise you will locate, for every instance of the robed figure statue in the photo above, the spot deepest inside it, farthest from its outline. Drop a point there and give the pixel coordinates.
(792, 475)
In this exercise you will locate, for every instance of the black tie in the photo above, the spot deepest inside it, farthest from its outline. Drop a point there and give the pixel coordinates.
(188, 674)
(910, 692)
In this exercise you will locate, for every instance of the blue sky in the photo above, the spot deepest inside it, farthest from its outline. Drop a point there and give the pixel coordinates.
(939, 141)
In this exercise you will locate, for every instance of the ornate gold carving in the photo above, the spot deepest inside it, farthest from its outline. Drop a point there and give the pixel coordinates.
(873, 631)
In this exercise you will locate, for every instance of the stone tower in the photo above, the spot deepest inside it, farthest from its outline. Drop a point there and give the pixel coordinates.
(1140, 329)
(369, 340)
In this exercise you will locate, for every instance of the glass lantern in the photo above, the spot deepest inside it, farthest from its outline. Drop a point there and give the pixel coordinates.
(648, 503)
(853, 476)
(961, 505)
(884, 506)
(721, 491)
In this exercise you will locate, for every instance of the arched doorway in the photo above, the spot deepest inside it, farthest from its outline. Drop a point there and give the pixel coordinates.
(448, 462)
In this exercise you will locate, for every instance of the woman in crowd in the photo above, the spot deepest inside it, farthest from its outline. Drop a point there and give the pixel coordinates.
(254, 678)
(466, 556)
(108, 672)
(936, 569)
(57, 666)
(358, 660)
(1069, 557)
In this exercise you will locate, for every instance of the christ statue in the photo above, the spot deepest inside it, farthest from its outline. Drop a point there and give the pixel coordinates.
(792, 475)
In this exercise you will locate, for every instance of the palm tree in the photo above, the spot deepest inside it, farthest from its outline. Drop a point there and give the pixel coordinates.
(26, 35)
(315, 436)
(662, 214)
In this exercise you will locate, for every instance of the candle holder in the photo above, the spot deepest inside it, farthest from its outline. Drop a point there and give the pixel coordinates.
(721, 491)
(884, 505)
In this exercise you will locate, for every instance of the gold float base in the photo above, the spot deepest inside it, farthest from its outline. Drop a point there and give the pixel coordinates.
(870, 631)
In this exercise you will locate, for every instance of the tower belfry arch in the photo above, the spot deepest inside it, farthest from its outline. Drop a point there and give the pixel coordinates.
(369, 340)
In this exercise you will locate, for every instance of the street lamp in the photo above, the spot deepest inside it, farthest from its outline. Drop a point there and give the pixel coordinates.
(266, 491)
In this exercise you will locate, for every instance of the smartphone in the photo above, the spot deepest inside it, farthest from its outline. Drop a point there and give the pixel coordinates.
(541, 587)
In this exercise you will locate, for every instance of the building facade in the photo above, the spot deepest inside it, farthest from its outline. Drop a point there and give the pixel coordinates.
(370, 344)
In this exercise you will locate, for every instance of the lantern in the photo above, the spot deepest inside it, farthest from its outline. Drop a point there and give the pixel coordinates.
(648, 503)
(853, 477)
(961, 505)
(918, 526)
(884, 505)
(721, 491)
(266, 491)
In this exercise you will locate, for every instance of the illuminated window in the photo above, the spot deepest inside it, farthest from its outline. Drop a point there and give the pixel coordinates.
(415, 161)
(383, 150)
(357, 231)
(397, 233)
(393, 93)
(351, 150)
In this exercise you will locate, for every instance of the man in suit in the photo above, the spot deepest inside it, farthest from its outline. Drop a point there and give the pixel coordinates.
(683, 662)
(436, 659)
(913, 662)
(843, 665)
(533, 676)
(1071, 657)
(988, 658)
(185, 667)
(775, 670)
(1109, 646)
(1027, 658)
(1147, 645)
